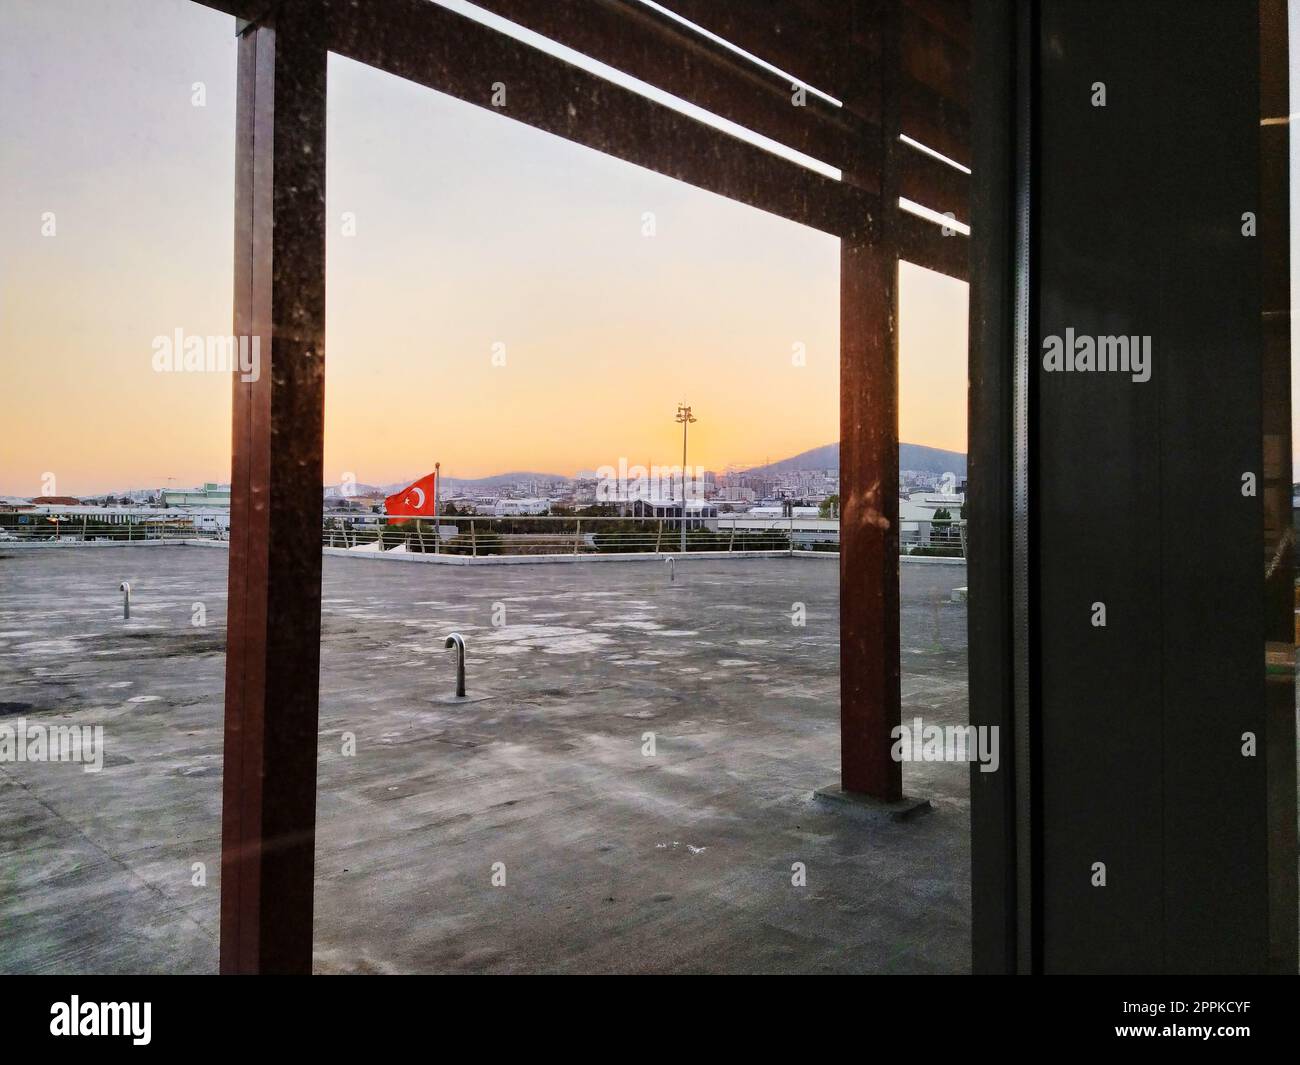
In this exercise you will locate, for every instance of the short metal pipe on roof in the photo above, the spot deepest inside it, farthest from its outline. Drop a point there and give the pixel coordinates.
(457, 641)
(672, 568)
(125, 589)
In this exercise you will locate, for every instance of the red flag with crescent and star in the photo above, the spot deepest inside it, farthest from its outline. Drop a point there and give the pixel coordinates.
(414, 501)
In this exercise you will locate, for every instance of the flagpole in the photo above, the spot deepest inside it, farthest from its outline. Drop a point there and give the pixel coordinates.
(437, 529)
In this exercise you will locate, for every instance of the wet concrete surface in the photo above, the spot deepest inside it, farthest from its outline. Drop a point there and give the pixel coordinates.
(614, 859)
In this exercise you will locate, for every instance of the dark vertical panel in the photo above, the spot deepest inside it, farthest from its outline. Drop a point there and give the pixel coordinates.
(993, 887)
(1139, 491)
(870, 692)
(1279, 535)
(1207, 304)
(1102, 235)
(1023, 559)
(273, 635)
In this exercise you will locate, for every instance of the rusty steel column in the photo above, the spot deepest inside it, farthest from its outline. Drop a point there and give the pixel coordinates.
(870, 691)
(870, 694)
(273, 630)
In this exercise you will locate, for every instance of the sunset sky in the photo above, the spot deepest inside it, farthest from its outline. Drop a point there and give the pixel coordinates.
(471, 230)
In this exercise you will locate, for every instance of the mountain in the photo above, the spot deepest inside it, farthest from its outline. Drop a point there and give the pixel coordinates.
(495, 481)
(910, 457)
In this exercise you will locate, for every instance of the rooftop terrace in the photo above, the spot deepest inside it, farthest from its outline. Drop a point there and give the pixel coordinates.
(614, 860)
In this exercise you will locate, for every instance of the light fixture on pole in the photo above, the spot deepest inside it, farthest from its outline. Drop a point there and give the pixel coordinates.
(684, 416)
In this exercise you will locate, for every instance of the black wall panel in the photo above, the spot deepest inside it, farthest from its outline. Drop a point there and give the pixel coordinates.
(1126, 219)
(1137, 490)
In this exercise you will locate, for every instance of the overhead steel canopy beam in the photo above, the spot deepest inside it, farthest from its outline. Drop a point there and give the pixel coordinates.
(432, 46)
(936, 60)
(811, 40)
(661, 51)
(935, 247)
(422, 41)
(932, 182)
(244, 10)
(938, 123)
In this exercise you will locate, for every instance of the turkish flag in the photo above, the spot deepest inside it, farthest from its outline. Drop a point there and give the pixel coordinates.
(415, 501)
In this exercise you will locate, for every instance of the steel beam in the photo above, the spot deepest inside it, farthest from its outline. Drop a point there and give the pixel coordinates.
(433, 46)
(870, 693)
(659, 50)
(811, 40)
(937, 122)
(273, 630)
(925, 243)
(934, 184)
(436, 47)
(934, 59)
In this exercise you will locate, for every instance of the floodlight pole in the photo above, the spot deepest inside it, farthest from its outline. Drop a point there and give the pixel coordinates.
(685, 417)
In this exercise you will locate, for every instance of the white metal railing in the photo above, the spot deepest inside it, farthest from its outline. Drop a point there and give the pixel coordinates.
(481, 536)
(86, 529)
(484, 536)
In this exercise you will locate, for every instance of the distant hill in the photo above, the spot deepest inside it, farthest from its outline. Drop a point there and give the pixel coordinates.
(495, 481)
(910, 457)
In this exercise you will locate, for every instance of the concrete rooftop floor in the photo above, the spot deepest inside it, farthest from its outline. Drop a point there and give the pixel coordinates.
(615, 861)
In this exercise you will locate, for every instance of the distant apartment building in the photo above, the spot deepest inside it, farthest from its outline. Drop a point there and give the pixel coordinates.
(210, 495)
(783, 511)
(735, 493)
(510, 508)
(699, 513)
(584, 490)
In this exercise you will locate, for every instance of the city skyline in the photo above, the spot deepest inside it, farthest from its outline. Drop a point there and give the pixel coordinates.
(520, 476)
